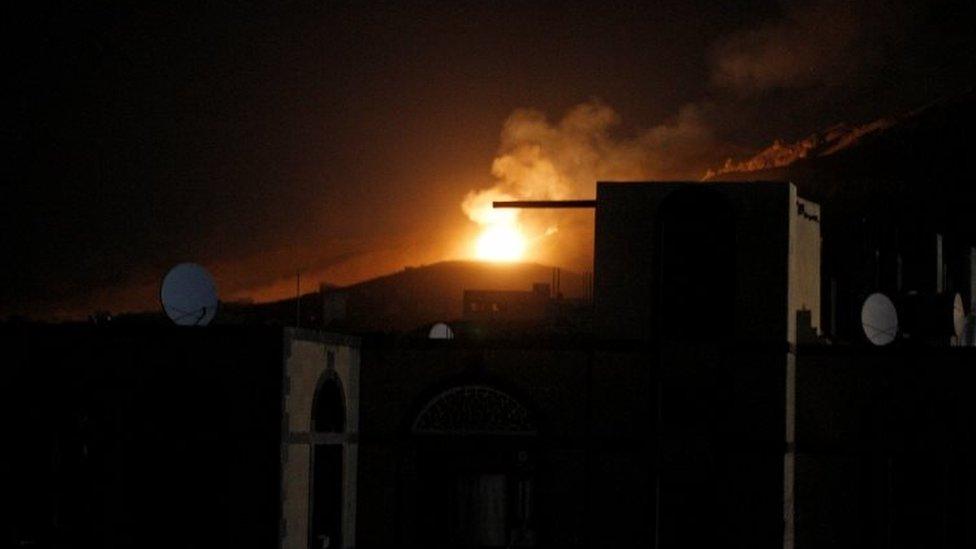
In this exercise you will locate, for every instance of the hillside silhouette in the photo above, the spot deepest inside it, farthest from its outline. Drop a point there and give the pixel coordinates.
(407, 299)
(913, 169)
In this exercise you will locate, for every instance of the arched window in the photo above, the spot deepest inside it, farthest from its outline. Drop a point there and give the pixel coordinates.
(328, 421)
(474, 409)
(329, 406)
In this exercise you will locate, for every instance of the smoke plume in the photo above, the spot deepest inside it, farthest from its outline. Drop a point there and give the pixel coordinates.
(824, 45)
(543, 160)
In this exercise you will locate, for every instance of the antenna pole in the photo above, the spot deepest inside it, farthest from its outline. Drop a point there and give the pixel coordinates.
(298, 299)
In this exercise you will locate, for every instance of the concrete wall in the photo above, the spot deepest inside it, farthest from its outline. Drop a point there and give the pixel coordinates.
(805, 246)
(625, 247)
(727, 404)
(590, 459)
(601, 446)
(885, 443)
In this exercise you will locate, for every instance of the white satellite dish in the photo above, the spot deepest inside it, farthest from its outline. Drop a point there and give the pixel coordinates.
(879, 319)
(958, 315)
(188, 295)
(441, 331)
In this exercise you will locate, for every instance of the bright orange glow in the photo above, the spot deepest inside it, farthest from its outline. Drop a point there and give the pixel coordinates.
(501, 237)
(500, 242)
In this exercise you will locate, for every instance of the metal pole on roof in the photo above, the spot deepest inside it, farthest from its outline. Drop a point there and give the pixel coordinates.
(544, 204)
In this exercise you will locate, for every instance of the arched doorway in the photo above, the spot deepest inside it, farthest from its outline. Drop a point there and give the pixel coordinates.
(477, 464)
(328, 426)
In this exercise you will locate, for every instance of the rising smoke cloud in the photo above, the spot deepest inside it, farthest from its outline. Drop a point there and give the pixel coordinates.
(824, 42)
(543, 160)
(822, 47)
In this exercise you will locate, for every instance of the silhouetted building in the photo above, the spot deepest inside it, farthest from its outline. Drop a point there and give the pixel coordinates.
(499, 305)
(721, 393)
(712, 403)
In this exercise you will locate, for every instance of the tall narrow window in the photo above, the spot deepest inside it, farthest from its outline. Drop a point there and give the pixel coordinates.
(329, 408)
(328, 419)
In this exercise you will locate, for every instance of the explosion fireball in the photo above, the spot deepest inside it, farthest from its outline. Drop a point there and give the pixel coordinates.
(501, 237)
(500, 243)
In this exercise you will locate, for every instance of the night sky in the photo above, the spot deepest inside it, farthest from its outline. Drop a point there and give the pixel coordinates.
(340, 139)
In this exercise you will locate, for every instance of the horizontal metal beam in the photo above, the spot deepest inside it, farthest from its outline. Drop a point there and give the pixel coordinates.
(544, 204)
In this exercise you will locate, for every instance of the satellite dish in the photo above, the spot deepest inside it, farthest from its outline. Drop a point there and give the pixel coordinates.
(958, 315)
(879, 319)
(188, 295)
(441, 331)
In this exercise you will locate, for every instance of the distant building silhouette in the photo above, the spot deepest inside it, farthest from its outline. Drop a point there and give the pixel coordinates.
(500, 305)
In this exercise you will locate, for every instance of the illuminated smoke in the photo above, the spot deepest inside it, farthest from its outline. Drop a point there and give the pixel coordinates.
(823, 44)
(825, 143)
(543, 160)
(478, 207)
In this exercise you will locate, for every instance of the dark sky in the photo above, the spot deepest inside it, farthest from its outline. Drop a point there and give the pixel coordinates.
(340, 138)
